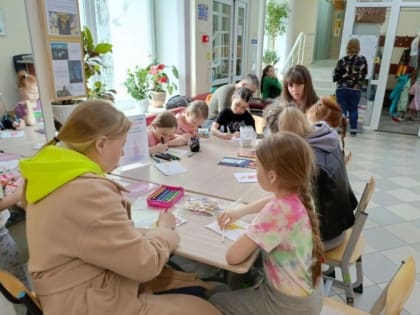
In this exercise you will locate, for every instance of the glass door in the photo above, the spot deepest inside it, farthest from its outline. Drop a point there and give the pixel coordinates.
(228, 40)
(239, 40)
(222, 34)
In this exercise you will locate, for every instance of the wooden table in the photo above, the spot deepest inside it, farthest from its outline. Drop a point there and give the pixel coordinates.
(27, 145)
(205, 176)
(196, 241)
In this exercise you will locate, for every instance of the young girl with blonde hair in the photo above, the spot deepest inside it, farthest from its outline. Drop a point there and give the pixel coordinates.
(30, 105)
(94, 261)
(331, 189)
(285, 229)
(190, 119)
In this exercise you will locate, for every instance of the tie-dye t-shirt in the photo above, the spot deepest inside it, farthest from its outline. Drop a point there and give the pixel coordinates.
(282, 230)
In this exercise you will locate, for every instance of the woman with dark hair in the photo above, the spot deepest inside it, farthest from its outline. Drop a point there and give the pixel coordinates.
(348, 73)
(298, 88)
(270, 84)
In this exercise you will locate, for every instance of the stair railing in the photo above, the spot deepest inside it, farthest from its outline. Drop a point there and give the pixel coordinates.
(296, 54)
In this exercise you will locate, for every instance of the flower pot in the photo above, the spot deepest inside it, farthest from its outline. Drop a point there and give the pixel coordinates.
(157, 99)
(142, 106)
(62, 112)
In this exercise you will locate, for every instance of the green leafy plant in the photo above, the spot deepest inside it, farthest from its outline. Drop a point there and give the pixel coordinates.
(270, 57)
(153, 78)
(137, 83)
(92, 54)
(276, 20)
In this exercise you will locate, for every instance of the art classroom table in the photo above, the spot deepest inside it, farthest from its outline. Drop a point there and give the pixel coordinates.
(26, 144)
(196, 241)
(204, 175)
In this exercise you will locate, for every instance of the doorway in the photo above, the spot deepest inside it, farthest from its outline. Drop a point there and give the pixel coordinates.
(229, 41)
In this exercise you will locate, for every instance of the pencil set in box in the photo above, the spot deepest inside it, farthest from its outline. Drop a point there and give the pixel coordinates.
(165, 196)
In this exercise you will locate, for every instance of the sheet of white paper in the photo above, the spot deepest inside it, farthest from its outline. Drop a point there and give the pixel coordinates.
(146, 219)
(232, 231)
(246, 177)
(178, 152)
(171, 168)
(5, 134)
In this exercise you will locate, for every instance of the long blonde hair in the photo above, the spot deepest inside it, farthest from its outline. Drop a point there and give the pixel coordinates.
(293, 120)
(292, 159)
(88, 121)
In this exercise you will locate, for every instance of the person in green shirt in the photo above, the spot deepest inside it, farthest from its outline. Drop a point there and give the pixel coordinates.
(270, 84)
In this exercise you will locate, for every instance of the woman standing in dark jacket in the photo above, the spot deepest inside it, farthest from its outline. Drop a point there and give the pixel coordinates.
(348, 73)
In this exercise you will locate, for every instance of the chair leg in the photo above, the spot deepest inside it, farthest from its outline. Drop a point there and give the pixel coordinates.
(358, 285)
(348, 286)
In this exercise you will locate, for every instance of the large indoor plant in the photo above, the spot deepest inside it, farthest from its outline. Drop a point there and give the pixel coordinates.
(137, 84)
(93, 65)
(274, 25)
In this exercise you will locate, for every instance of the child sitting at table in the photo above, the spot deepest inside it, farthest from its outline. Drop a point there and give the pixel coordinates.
(161, 133)
(29, 106)
(286, 230)
(230, 120)
(190, 119)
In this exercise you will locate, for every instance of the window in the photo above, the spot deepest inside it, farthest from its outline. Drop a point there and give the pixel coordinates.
(127, 25)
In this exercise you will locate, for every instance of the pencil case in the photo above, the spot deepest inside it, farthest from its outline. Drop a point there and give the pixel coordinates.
(165, 196)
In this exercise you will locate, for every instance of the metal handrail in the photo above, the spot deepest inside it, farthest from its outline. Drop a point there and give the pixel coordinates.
(298, 51)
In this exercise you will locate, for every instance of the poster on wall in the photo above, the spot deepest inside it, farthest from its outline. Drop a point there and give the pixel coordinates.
(67, 68)
(62, 17)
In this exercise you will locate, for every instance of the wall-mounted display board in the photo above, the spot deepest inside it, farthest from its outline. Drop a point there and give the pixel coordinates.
(64, 47)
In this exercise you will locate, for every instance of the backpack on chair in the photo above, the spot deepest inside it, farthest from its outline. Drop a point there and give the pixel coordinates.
(178, 101)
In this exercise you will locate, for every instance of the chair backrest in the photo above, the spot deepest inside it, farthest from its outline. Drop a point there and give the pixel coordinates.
(398, 290)
(17, 293)
(347, 158)
(366, 195)
(360, 220)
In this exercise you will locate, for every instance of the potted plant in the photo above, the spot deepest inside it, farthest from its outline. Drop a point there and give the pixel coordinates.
(137, 85)
(160, 83)
(92, 56)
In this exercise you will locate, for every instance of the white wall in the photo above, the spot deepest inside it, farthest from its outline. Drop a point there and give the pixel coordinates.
(303, 19)
(14, 43)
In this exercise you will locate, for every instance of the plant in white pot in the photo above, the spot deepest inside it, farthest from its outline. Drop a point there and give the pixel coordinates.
(137, 84)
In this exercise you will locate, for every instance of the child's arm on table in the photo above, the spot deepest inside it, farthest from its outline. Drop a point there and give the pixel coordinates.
(240, 250)
(158, 148)
(179, 140)
(230, 216)
(215, 132)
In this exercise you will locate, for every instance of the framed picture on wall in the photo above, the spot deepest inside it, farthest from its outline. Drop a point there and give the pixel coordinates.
(2, 23)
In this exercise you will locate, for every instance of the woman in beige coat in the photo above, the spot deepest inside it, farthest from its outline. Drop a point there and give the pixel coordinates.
(86, 257)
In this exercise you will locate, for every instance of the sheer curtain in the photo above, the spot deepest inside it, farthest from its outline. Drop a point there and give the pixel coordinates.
(127, 24)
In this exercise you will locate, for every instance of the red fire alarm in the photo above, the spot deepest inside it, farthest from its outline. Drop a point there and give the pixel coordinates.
(204, 38)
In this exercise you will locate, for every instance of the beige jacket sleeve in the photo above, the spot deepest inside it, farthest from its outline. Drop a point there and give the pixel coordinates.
(112, 242)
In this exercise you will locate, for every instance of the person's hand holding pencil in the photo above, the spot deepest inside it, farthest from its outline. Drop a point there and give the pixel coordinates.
(166, 219)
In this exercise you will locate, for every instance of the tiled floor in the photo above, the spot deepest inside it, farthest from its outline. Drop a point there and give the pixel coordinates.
(393, 227)
(392, 231)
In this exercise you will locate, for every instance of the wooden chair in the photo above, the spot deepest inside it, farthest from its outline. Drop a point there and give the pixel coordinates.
(15, 292)
(347, 158)
(390, 302)
(350, 251)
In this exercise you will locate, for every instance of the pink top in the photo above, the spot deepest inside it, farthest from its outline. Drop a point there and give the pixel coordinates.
(183, 126)
(152, 138)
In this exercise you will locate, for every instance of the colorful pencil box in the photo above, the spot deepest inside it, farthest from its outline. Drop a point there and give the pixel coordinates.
(165, 196)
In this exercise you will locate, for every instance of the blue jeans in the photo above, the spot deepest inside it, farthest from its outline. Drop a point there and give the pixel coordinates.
(349, 99)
